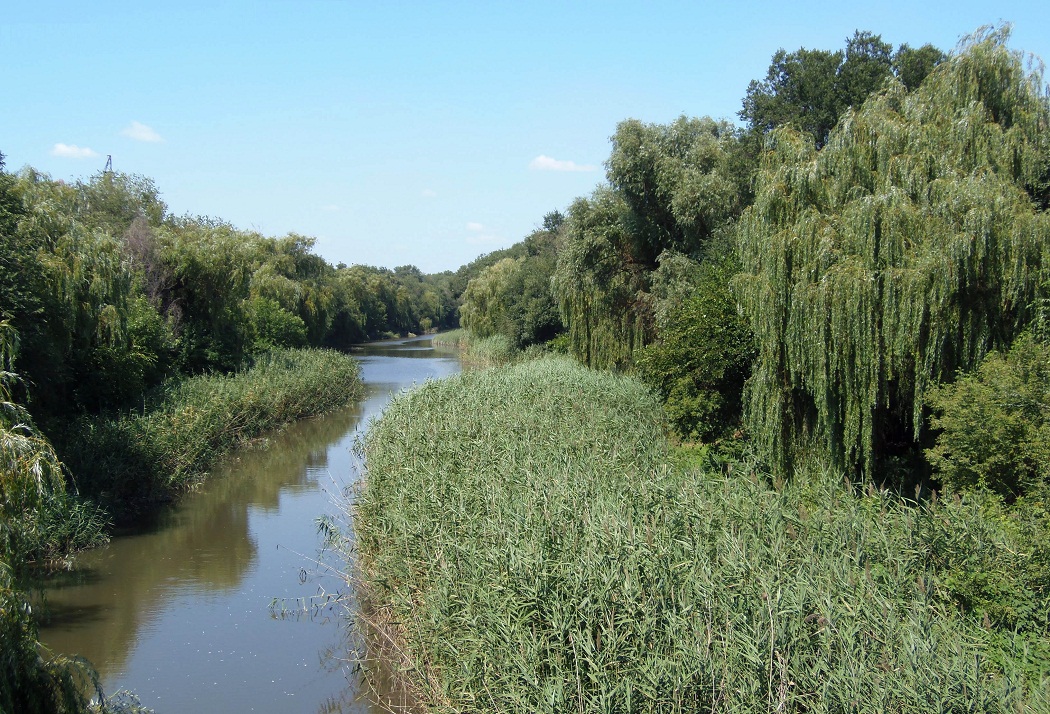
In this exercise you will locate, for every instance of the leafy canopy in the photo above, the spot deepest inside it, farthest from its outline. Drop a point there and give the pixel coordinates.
(903, 251)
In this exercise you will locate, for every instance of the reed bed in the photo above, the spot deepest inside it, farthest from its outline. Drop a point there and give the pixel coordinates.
(452, 339)
(479, 352)
(533, 550)
(142, 458)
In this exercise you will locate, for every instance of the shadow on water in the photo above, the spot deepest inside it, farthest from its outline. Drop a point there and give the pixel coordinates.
(181, 611)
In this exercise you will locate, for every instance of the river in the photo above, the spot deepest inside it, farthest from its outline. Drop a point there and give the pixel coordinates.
(226, 602)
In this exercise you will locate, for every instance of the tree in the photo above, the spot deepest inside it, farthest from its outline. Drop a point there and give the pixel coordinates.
(799, 91)
(486, 301)
(513, 296)
(676, 180)
(902, 252)
(994, 423)
(599, 286)
(866, 66)
(553, 221)
(810, 89)
(703, 349)
(911, 66)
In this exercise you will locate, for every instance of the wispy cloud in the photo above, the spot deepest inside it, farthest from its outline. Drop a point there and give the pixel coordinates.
(429, 193)
(479, 234)
(140, 132)
(331, 207)
(546, 163)
(72, 151)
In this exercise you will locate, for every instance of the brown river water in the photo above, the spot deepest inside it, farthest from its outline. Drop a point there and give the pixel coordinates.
(228, 601)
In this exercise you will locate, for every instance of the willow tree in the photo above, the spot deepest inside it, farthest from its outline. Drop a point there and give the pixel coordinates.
(600, 287)
(902, 252)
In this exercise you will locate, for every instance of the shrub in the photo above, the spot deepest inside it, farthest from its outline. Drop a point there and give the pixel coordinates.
(138, 459)
(995, 423)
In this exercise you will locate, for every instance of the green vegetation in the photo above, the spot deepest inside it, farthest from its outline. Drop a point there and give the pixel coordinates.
(479, 352)
(135, 348)
(840, 303)
(995, 424)
(839, 306)
(704, 354)
(137, 460)
(903, 251)
(511, 297)
(536, 551)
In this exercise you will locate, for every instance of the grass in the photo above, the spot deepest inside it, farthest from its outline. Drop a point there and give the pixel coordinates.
(136, 460)
(524, 535)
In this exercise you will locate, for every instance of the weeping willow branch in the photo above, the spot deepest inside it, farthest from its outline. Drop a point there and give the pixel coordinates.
(902, 252)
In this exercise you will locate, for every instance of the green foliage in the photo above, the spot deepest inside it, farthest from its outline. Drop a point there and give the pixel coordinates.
(600, 290)
(672, 188)
(993, 561)
(904, 251)
(513, 297)
(704, 349)
(37, 520)
(136, 460)
(29, 683)
(525, 540)
(811, 89)
(479, 352)
(912, 65)
(677, 181)
(994, 423)
(799, 91)
(273, 326)
(486, 300)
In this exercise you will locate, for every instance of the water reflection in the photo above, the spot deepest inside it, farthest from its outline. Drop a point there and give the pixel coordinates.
(181, 612)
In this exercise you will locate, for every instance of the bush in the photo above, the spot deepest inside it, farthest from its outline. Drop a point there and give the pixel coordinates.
(995, 423)
(704, 349)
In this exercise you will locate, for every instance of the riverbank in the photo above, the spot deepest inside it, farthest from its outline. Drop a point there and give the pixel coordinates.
(229, 600)
(133, 462)
(534, 545)
(493, 351)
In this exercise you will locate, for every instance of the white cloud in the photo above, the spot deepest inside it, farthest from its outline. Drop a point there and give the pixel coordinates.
(331, 207)
(546, 163)
(429, 193)
(140, 132)
(479, 234)
(72, 151)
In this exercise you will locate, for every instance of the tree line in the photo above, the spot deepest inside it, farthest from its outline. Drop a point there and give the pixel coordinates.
(828, 279)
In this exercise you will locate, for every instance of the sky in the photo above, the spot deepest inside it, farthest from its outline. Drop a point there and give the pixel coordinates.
(395, 133)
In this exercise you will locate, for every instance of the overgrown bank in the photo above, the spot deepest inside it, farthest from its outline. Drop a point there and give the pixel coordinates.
(527, 529)
(475, 351)
(137, 460)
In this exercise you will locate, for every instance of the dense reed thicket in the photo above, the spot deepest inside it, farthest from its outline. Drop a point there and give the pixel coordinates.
(537, 551)
(138, 459)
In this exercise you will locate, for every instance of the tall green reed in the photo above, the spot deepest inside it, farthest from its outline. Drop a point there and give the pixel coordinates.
(524, 530)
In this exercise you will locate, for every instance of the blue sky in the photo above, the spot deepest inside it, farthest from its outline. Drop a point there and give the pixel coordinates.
(401, 132)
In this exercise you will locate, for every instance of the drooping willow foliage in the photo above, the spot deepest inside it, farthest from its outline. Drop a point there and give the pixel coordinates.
(599, 285)
(902, 252)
